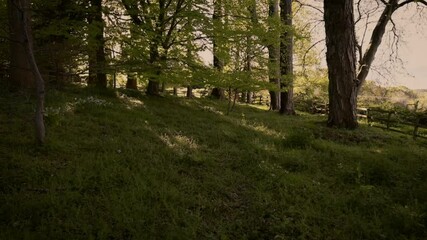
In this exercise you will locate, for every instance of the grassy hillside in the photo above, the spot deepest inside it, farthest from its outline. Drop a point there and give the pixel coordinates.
(124, 166)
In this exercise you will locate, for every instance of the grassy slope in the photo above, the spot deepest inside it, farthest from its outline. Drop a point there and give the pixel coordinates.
(169, 168)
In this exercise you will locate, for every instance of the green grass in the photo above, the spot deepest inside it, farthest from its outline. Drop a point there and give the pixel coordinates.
(120, 167)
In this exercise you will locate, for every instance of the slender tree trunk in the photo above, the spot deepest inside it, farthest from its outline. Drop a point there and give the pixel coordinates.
(286, 60)
(274, 58)
(175, 91)
(163, 87)
(243, 97)
(246, 96)
(341, 60)
(97, 59)
(217, 93)
(20, 69)
(375, 41)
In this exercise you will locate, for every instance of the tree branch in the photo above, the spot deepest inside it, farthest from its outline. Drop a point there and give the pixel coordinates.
(411, 1)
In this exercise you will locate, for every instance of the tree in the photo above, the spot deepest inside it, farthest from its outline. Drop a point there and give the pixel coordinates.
(341, 60)
(161, 28)
(286, 60)
(217, 62)
(20, 70)
(59, 44)
(97, 59)
(274, 53)
(367, 58)
(19, 12)
(250, 45)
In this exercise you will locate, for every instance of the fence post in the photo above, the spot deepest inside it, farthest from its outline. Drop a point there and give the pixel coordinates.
(417, 122)
(368, 116)
(388, 120)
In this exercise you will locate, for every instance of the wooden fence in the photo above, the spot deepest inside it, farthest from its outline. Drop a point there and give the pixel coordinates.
(395, 120)
(391, 120)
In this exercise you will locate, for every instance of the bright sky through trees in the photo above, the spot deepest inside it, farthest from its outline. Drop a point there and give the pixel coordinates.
(410, 69)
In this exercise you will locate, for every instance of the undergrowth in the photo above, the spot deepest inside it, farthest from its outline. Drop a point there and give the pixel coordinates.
(121, 165)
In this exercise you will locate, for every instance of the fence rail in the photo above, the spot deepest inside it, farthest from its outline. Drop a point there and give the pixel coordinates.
(411, 119)
(391, 118)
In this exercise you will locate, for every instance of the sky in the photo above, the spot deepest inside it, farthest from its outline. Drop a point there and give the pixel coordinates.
(414, 53)
(409, 70)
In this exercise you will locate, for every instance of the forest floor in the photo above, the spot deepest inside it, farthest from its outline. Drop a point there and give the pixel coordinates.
(121, 165)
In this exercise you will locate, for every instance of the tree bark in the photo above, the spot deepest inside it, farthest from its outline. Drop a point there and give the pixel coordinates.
(97, 59)
(20, 69)
(190, 91)
(249, 97)
(217, 93)
(131, 82)
(274, 58)
(341, 60)
(153, 87)
(22, 7)
(286, 60)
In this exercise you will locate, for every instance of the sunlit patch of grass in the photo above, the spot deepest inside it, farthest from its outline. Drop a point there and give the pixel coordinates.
(259, 127)
(179, 143)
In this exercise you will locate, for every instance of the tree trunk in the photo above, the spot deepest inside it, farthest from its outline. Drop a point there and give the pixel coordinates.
(217, 93)
(286, 60)
(190, 92)
(20, 69)
(163, 87)
(274, 58)
(153, 88)
(243, 97)
(376, 39)
(131, 82)
(22, 7)
(250, 53)
(97, 59)
(249, 97)
(341, 60)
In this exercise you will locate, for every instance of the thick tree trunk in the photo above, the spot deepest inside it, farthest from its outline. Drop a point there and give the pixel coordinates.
(218, 93)
(341, 60)
(131, 82)
(376, 39)
(20, 69)
(286, 60)
(92, 78)
(153, 88)
(22, 7)
(274, 59)
(249, 97)
(97, 59)
(190, 92)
